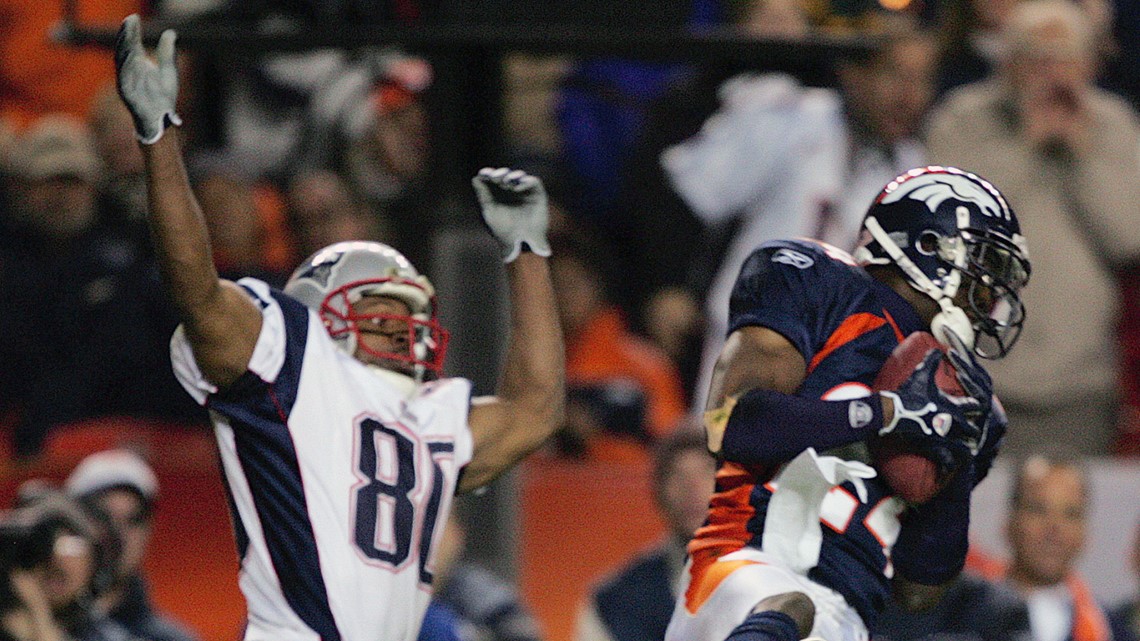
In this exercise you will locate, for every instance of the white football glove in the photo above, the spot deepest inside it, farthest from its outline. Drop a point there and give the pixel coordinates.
(515, 209)
(148, 89)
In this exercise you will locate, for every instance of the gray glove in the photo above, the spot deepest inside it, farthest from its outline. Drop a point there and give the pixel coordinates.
(149, 90)
(514, 208)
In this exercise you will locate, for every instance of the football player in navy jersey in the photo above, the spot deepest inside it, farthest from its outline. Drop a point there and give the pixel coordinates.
(802, 537)
(341, 443)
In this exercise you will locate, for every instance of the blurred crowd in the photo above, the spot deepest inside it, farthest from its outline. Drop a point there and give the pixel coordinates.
(72, 560)
(662, 176)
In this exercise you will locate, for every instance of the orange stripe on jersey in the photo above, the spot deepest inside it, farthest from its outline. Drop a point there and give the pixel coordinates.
(851, 328)
(700, 590)
(1089, 623)
(725, 531)
(894, 325)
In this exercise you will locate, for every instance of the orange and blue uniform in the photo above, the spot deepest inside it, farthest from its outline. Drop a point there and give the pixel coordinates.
(845, 324)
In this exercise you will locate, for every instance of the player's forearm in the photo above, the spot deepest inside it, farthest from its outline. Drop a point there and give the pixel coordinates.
(769, 427)
(178, 230)
(533, 377)
(530, 401)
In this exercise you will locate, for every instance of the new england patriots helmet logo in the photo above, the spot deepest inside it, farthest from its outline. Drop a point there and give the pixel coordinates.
(321, 270)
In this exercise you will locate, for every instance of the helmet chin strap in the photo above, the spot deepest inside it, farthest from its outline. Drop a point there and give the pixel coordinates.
(951, 317)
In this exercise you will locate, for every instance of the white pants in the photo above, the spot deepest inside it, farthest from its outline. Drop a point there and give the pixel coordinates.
(727, 591)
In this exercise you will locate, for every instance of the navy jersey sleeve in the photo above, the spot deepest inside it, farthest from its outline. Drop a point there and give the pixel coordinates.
(779, 287)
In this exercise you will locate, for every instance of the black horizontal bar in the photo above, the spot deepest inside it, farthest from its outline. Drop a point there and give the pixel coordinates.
(725, 43)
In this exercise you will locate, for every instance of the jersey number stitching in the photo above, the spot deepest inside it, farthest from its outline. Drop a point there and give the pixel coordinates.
(386, 519)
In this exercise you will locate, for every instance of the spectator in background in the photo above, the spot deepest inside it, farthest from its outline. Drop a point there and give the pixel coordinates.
(1048, 508)
(321, 209)
(668, 253)
(42, 76)
(971, 609)
(387, 163)
(482, 606)
(790, 161)
(122, 192)
(119, 487)
(1124, 619)
(970, 40)
(51, 556)
(621, 389)
(602, 107)
(1065, 154)
(239, 231)
(83, 298)
(636, 602)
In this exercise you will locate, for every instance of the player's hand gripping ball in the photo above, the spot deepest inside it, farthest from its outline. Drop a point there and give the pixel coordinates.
(915, 471)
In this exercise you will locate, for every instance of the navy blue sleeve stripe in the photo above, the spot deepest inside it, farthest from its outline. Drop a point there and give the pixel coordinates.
(258, 414)
(251, 400)
(296, 335)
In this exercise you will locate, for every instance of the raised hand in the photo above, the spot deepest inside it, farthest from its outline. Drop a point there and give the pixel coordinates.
(148, 88)
(515, 209)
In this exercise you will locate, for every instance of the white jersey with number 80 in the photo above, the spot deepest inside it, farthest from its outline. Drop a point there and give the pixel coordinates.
(340, 482)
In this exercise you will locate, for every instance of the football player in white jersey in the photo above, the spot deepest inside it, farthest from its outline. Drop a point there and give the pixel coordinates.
(341, 445)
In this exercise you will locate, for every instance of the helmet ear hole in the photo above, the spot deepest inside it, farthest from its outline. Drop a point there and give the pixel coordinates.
(927, 243)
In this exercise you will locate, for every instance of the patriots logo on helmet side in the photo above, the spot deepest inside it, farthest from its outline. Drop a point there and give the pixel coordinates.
(321, 270)
(933, 189)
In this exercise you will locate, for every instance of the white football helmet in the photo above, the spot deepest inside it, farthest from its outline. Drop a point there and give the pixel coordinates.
(332, 280)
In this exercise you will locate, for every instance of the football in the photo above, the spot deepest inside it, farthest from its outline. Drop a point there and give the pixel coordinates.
(912, 476)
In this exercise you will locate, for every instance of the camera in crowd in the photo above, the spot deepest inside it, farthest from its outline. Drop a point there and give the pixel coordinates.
(30, 534)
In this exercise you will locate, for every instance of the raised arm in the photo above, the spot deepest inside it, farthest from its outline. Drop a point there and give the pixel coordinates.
(529, 402)
(221, 322)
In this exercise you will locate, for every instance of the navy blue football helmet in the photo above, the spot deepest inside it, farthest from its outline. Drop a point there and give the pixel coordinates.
(954, 238)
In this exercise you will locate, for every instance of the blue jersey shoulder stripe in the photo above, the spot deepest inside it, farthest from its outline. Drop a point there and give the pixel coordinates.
(296, 335)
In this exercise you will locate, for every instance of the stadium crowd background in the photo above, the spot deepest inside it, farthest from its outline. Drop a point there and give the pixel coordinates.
(293, 150)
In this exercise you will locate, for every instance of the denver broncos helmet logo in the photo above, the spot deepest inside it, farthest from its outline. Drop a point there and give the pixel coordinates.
(936, 185)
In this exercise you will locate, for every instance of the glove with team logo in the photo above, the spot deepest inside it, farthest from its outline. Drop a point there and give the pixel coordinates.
(933, 421)
(515, 209)
(148, 89)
